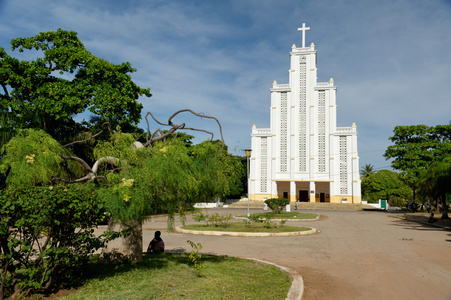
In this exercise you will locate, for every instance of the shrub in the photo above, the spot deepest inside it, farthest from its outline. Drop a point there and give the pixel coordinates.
(46, 235)
(215, 220)
(201, 217)
(254, 218)
(277, 204)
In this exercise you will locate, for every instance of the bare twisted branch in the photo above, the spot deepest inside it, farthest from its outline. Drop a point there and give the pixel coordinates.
(91, 137)
(175, 127)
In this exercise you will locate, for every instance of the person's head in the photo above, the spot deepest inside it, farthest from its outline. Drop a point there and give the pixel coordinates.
(157, 234)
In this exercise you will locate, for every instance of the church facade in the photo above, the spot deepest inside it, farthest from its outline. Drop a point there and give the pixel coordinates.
(303, 155)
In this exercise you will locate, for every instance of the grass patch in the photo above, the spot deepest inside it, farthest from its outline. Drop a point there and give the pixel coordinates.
(172, 276)
(243, 227)
(285, 215)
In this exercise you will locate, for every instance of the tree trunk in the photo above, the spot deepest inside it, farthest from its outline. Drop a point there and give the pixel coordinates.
(132, 245)
(129, 247)
(444, 207)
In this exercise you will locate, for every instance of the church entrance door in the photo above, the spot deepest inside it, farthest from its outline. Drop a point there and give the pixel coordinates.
(303, 196)
(322, 197)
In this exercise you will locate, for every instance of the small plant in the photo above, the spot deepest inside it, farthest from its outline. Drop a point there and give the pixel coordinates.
(215, 220)
(220, 221)
(201, 217)
(268, 223)
(195, 257)
(266, 219)
(255, 218)
(277, 204)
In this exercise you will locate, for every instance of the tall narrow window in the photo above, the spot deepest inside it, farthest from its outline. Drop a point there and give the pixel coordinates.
(264, 165)
(343, 166)
(322, 131)
(283, 132)
(302, 119)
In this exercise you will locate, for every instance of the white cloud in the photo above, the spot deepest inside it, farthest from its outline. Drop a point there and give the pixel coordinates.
(390, 59)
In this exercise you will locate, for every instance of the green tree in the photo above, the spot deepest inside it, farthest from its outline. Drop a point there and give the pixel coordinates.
(415, 148)
(435, 183)
(220, 171)
(146, 181)
(32, 158)
(5, 133)
(46, 237)
(131, 182)
(65, 80)
(366, 170)
(385, 184)
(167, 176)
(161, 174)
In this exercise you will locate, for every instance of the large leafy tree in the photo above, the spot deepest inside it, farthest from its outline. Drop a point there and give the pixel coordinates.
(167, 178)
(416, 147)
(435, 183)
(385, 184)
(133, 181)
(65, 80)
(162, 174)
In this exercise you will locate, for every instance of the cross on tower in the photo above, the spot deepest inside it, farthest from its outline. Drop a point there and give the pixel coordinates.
(303, 29)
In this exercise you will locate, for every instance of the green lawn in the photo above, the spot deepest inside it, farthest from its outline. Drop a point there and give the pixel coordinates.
(172, 276)
(243, 227)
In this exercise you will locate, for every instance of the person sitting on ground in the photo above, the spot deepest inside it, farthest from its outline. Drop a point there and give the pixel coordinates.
(432, 219)
(156, 245)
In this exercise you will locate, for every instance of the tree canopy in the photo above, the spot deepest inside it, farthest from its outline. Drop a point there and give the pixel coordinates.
(31, 158)
(416, 147)
(166, 178)
(64, 81)
(435, 183)
(385, 184)
(132, 180)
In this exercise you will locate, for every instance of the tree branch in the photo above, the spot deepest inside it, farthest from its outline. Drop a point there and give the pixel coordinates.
(150, 139)
(91, 137)
(195, 129)
(5, 90)
(88, 177)
(108, 159)
(85, 164)
(199, 115)
(175, 127)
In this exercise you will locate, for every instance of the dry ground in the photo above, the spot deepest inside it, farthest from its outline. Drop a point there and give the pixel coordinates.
(356, 255)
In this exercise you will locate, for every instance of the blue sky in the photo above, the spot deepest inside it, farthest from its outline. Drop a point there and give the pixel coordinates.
(390, 59)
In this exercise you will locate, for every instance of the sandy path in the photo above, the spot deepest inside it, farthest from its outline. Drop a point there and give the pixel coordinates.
(357, 254)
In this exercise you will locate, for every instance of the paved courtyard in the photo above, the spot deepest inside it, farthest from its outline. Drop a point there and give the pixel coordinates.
(356, 254)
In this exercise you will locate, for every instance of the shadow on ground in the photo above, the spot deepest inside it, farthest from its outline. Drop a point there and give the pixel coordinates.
(420, 221)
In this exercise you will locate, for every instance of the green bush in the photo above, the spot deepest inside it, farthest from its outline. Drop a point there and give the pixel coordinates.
(277, 204)
(46, 235)
(255, 218)
(266, 219)
(215, 220)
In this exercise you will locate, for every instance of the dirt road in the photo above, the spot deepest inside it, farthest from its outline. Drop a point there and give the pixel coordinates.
(356, 254)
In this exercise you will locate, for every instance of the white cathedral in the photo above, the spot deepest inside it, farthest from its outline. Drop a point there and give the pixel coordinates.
(304, 156)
